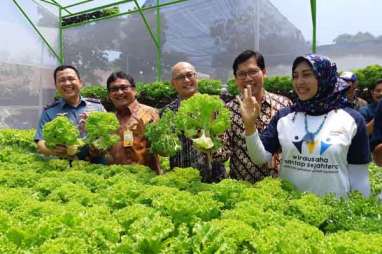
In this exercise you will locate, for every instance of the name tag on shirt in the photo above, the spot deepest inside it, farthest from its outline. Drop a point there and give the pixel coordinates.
(128, 138)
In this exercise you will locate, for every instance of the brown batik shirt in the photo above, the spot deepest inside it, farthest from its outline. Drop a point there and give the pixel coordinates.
(139, 151)
(241, 166)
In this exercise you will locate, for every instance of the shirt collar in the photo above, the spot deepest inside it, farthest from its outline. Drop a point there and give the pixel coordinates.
(134, 106)
(177, 101)
(267, 98)
(63, 103)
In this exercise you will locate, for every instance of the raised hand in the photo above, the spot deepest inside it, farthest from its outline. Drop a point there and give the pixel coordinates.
(249, 110)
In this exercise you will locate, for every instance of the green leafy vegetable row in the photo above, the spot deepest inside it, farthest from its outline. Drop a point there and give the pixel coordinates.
(48, 206)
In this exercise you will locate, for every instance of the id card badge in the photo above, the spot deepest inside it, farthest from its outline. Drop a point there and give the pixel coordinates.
(128, 138)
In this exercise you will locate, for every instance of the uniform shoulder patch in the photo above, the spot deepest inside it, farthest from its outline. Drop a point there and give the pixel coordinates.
(51, 105)
(94, 100)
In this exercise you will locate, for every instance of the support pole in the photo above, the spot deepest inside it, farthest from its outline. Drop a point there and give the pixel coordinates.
(158, 49)
(79, 3)
(119, 14)
(148, 27)
(156, 40)
(313, 11)
(48, 2)
(37, 30)
(54, 1)
(257, 25)
(61, 37)
(95, 8)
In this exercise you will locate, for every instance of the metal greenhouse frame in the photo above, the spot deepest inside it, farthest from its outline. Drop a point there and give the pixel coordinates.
(66, 11)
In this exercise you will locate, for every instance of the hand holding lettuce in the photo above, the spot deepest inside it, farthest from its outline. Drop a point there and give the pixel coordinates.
(203, 118)
(101, 130)
(163, 135)
(62, 132)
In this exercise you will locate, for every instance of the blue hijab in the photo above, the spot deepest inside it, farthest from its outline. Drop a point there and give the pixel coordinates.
(331, 92)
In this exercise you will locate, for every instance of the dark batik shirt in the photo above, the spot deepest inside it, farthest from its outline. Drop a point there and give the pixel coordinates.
(190, 157)
(241, 166)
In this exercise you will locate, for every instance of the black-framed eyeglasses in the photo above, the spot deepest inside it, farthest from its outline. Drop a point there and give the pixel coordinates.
(115, 89)
(251, 73)
(188, 75)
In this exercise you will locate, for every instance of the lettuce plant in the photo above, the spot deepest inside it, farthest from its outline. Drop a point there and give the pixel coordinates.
(203, 118)
(61, 131)
(163, 136)
(101, 128)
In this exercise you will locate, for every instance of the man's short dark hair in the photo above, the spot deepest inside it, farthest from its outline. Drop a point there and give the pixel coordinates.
(244, 56)
(63, 67)
(119, 75)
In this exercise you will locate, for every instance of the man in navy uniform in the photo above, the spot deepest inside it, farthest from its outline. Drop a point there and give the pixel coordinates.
(68, 84)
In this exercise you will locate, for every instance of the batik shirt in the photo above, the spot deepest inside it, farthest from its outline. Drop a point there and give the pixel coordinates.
(139, 151)
(241, 166)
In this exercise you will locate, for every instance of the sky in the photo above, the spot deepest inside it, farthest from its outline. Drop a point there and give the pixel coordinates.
(334, 17)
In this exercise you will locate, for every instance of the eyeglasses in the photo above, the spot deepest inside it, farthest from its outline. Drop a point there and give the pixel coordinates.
(189, 75)
(115, 89)
(251, 73)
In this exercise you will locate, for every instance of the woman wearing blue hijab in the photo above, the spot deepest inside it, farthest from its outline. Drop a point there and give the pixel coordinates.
(324, 143)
